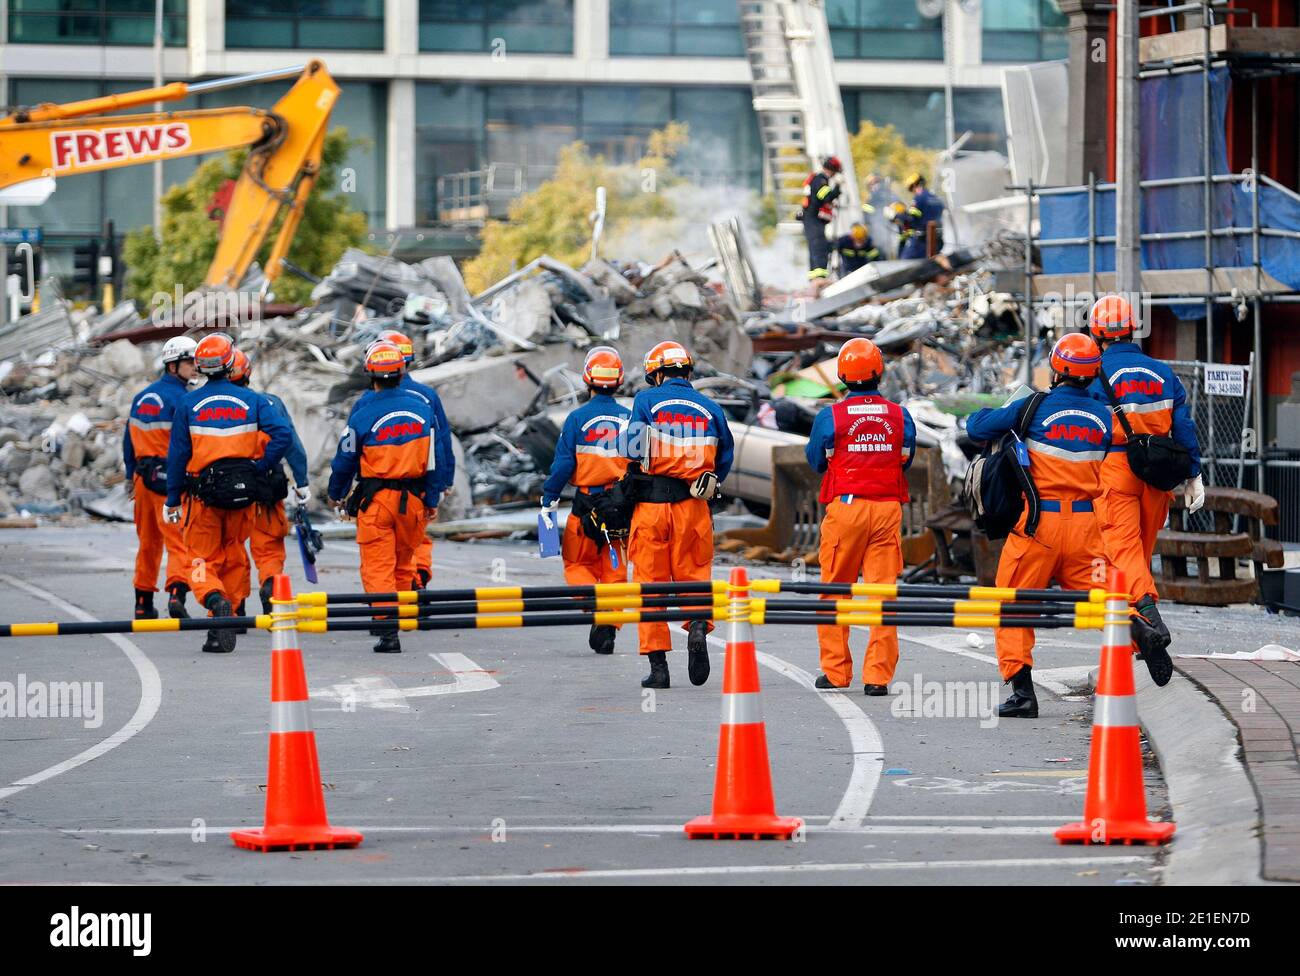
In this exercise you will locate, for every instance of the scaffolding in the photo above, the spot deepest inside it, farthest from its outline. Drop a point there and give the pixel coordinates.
(1246, 288)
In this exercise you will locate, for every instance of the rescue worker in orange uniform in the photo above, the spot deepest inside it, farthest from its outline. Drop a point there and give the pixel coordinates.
(388, 448)
(444, 458)
(223, 439)
(1133, 512)
(270, 524)
(144, 452)
(589, 456)
(682, 448)
(1066, 443)
(861, 446)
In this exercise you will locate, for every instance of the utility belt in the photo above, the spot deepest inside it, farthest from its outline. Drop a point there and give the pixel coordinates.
(1056, 505)
(658, 489)
(152, 471)
(228, 483)
(367, 488)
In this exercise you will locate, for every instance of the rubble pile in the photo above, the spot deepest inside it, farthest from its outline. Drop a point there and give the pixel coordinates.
(506, 362)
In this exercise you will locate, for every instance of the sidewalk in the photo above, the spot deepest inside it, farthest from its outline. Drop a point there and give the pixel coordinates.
(1263, 700)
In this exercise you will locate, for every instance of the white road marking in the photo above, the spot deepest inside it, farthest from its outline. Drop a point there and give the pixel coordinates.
(378, 691)
(864, 740)
(754, 869)
(150, 694)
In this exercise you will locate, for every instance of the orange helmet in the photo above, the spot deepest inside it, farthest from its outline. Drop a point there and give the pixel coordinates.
(666, 354)
(214, 354)
(860, 362)
(242, 367)
(1076, 354)
(402, 341)
(384, 359)
(1111, 318)
(603, 368)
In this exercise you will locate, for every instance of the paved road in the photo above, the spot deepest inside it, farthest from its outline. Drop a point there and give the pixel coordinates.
(513, 756)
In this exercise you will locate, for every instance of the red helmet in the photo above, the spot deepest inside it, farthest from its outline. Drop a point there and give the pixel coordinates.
(243, 366)
(214, 354)
(666, 354)
(1111, 318)
(603, 368)
(833, 164)
(860, 362)
(384, 359)
(402, 341)
(1076, 354)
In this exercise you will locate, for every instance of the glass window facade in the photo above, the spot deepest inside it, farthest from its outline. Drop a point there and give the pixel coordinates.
(918, 114)
(349, 25)
(462, 127)
(1024, 30)
(884, 30)
(699, 28)
(94, 22)
(522, 26)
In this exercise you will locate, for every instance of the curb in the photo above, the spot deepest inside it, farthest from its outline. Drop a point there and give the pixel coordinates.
(1214, 803)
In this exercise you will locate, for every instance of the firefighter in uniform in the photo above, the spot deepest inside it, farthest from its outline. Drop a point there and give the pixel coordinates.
(1066, 441)
(913, 218)
(855, 250)
(590, 456)
(270, 524)
(388, 447)
(682, 447)
(144, 452)
(820, 191)
(444, 457)
(861, 446)
(224, 438)
(1132, 512)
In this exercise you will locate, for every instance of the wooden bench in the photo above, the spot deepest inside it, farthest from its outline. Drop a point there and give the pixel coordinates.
(1189, 558)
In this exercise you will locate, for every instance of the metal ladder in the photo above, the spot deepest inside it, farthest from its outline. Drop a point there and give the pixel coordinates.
(777, 104)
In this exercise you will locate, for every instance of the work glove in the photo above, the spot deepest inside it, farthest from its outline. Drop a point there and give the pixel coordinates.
(172, 516)
(302, 494)
(705, 486)
(1194, 494)
(549, 510)
(340, 509)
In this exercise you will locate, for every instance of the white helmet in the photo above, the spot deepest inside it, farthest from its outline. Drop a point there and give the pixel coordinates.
(177, 348)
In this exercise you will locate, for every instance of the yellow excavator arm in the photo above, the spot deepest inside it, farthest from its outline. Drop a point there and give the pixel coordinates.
(284, 152)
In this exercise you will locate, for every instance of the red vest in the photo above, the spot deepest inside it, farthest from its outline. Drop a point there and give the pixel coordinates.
(867, 461)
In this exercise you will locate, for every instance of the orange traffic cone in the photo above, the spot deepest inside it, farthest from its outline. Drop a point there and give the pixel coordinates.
(1115, 808)
(743, 805)
(295, 802)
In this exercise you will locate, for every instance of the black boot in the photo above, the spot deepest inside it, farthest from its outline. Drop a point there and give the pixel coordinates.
(264, 594)
(219, 641)
(388, 644)
(658, 676)
(176, 601)
(875, 691)
(601, 638)
(421, 579)
(239, 612)
(144, 608)
(697, 652)
(1152, 638)
(1022, 703)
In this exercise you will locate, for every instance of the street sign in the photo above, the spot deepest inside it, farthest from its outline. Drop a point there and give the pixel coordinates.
(1225, 380)
(21, 235)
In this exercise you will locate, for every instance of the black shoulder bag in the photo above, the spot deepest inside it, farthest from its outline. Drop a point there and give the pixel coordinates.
(1158, 460)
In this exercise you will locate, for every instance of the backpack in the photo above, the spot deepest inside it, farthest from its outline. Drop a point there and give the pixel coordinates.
(998, 485)
(1158, 460)
(230, 483)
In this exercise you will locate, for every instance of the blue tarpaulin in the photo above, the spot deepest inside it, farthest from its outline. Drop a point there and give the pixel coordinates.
(1172, 146)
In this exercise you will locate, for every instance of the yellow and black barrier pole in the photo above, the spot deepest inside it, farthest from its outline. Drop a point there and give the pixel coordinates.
(65, 628)
(494, 621)
(495, 593)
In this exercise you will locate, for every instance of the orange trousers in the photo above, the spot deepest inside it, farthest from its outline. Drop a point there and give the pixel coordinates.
(1067, 548)
(1130, 512)
(587, 561)
(266, 541)
(215, 540)
(388, 540)
(155, 535)
(669, 542)
(860, 539)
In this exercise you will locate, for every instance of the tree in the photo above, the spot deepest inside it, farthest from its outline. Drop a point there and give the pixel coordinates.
(189, 238)
(882, 149)
(554, 218)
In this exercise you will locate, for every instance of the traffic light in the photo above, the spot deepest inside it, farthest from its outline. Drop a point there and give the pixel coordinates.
(85, 266)
(17, 265)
